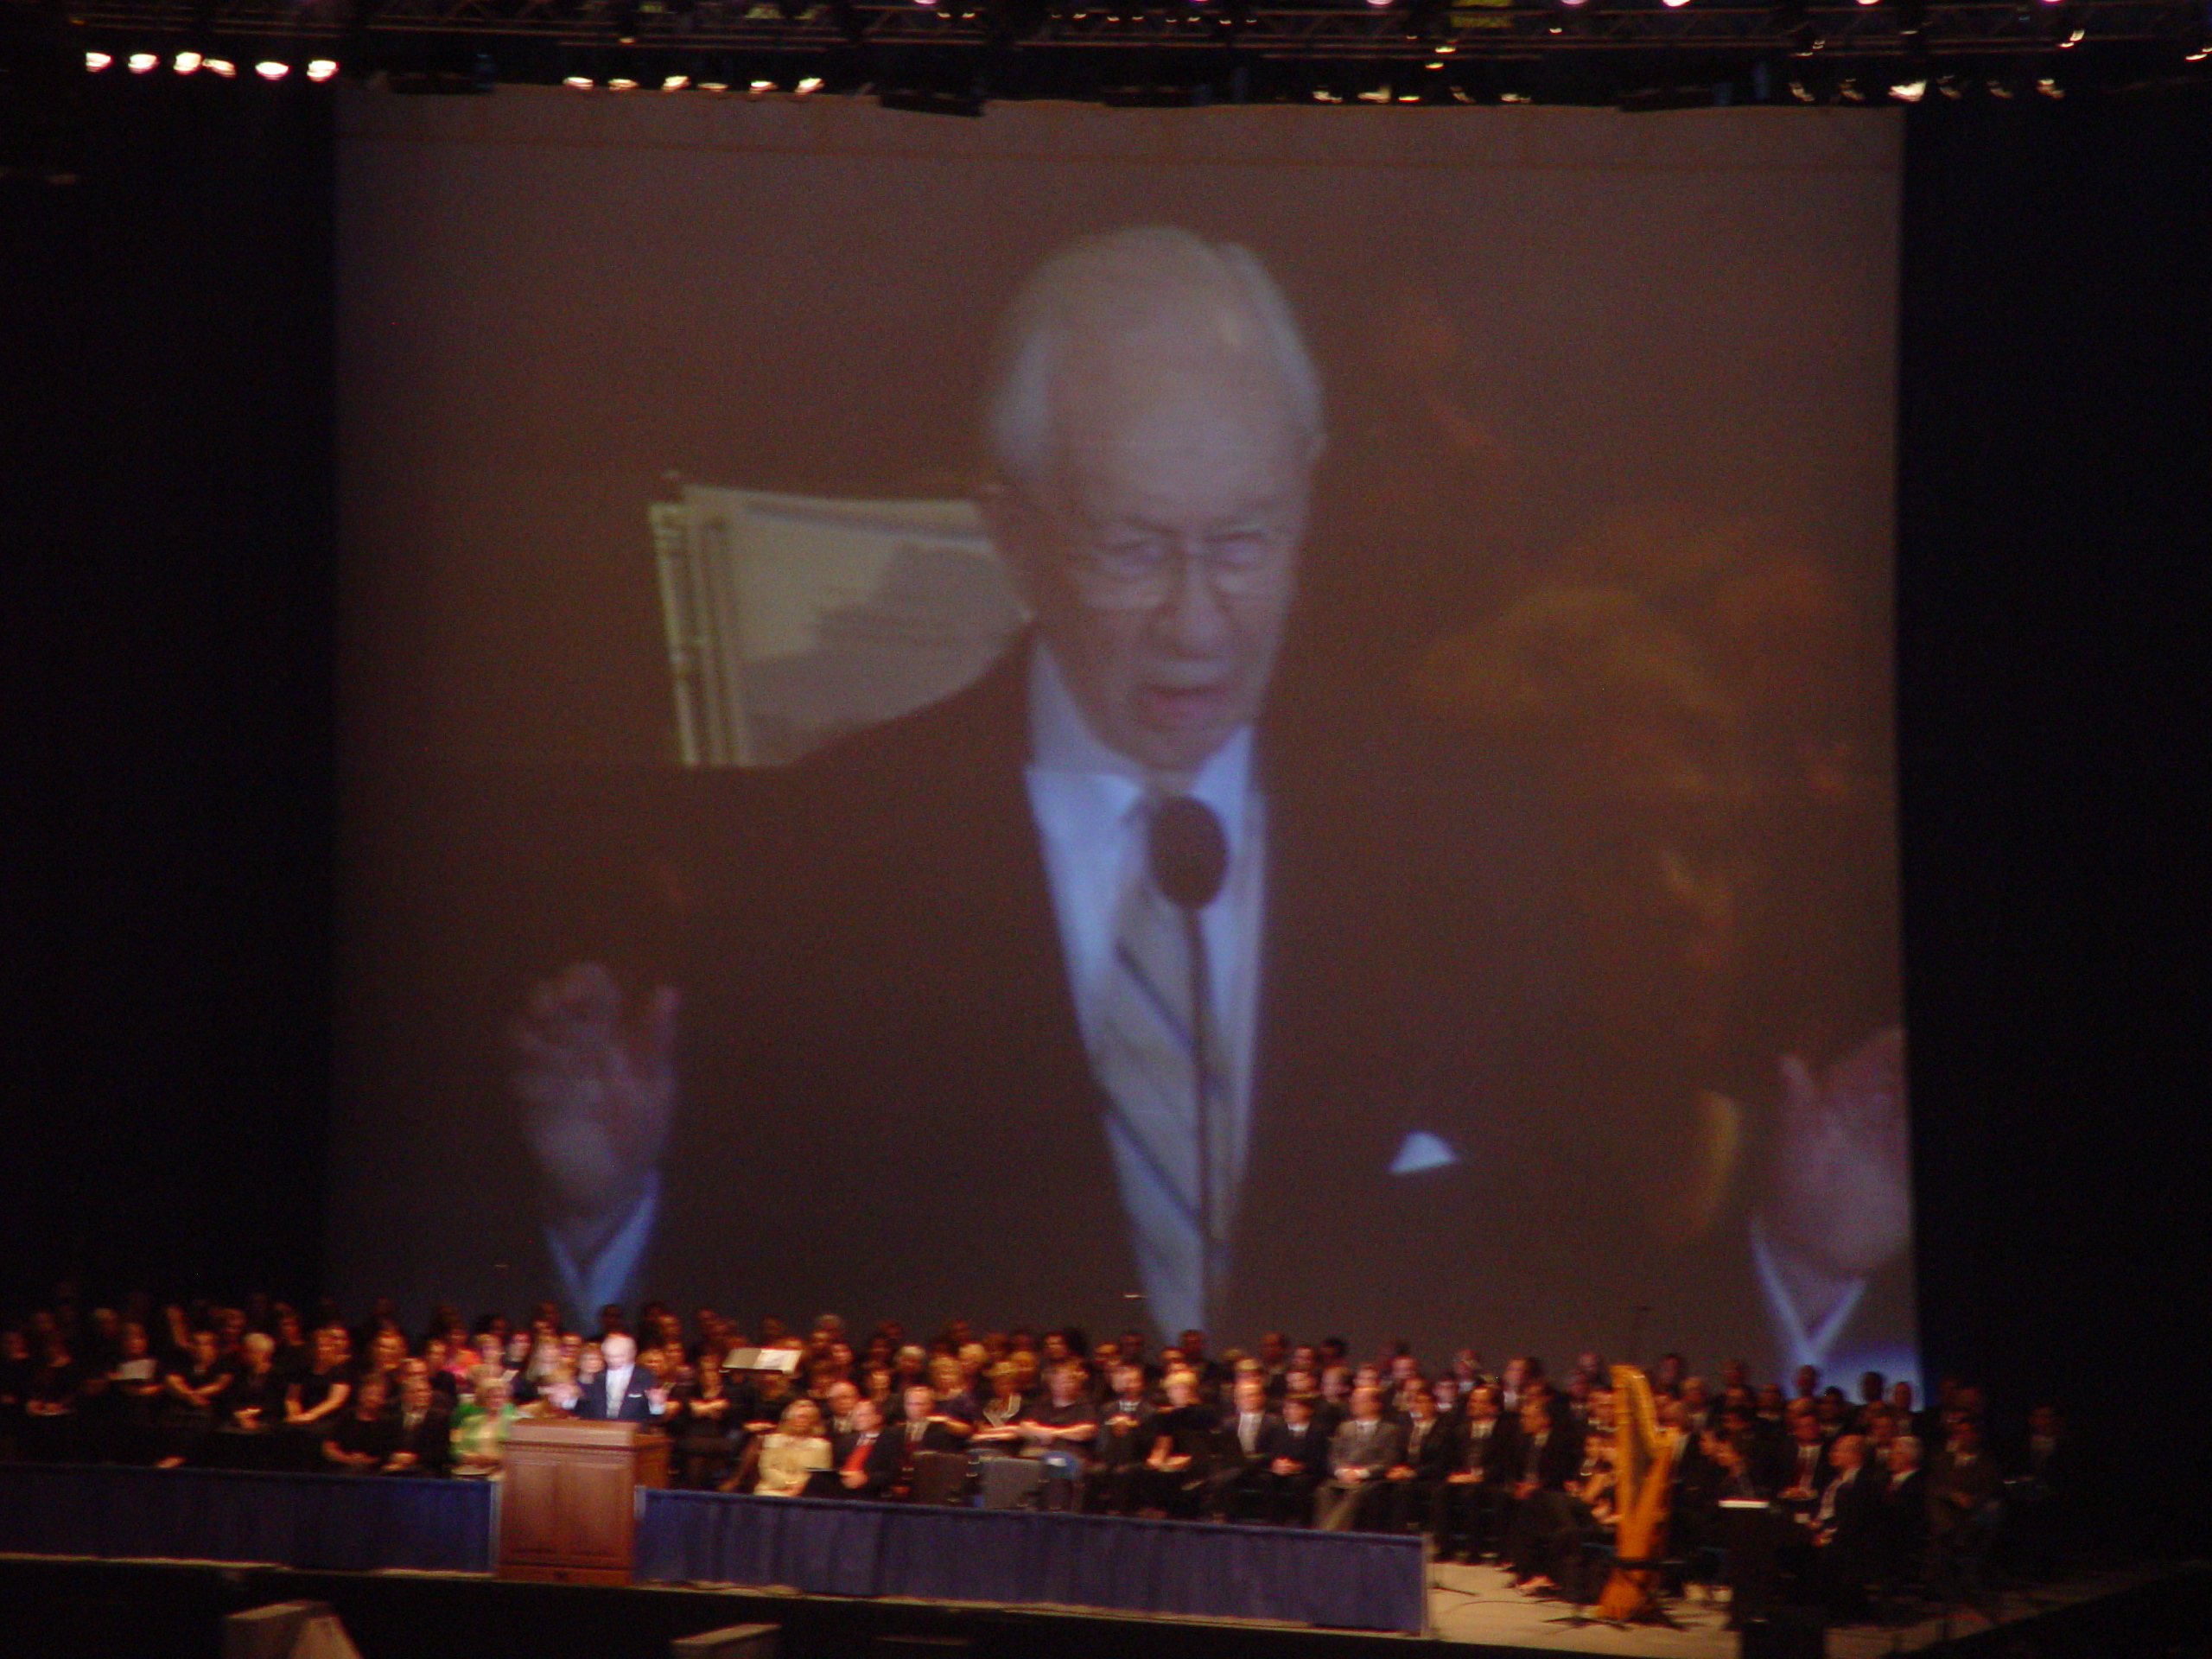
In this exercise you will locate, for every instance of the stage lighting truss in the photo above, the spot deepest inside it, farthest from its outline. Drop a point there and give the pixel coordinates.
(955, 56)
(1349, 31)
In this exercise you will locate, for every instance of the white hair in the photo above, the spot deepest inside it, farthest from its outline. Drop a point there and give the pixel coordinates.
(1120, 283)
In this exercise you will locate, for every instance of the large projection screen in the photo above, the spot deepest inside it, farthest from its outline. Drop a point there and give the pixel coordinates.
(1553, 991)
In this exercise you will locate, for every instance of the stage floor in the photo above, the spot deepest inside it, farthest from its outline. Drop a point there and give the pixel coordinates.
(54, 1607)
(1478, 1606)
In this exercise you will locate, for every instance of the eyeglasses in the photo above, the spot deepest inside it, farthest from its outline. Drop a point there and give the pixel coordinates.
(1138, 572)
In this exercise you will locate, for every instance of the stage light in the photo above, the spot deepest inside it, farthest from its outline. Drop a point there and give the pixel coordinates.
(1378, 5)
(1676, 4)
(808, 86)
(187, 63)
(1909, 92)
(621, 84)
(675, 83)
(222, 67)
(96, 61)
(2080, 34)
(269, 69)
(141, 62)
(322, 68)
(2049, 88)
(578, 83)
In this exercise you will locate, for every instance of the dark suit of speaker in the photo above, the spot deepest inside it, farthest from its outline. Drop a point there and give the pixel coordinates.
(634, 1406)
(877, 981)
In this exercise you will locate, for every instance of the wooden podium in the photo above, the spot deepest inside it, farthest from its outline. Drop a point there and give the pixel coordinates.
(569, 1504)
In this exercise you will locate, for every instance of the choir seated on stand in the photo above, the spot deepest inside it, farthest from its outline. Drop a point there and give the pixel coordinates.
(1882, 1496)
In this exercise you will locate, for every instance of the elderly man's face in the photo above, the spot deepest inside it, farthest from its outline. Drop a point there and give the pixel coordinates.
(1161, 555)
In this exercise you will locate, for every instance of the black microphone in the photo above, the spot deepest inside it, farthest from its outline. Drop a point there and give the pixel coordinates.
(1190, 854)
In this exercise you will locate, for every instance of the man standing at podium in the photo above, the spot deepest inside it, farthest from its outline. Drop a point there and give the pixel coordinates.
(624, 1391)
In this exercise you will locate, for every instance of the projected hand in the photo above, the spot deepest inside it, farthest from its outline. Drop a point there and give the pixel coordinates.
(1840, 1201)
(596, 1089)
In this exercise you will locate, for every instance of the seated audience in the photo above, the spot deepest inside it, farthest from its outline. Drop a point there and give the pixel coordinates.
(1293, 1434)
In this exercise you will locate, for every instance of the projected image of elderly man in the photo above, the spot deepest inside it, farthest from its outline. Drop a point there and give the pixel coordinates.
(1147, 966)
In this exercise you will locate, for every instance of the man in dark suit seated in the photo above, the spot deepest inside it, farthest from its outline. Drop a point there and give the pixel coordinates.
(1354, 1498)
(926, 1425)
(1485, 1463)
(1905, 1516)
(1124, 1443)
(1250, 1439)
(1802, 1473)
(867, 1462)
(425, 1439)
(1963, 1511)
(1415, 1483)
(1300, 1462)
(1845, 1530)
(1551, 1456)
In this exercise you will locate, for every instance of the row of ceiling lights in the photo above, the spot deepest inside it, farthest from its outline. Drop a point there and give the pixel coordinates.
(192, 63)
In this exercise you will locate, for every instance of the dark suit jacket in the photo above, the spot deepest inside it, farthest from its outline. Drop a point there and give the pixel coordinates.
(1116, 1446)
(874, 986)
(1436, 1456)
(878, 985)
(432, 1440)
(1496, 1454)
(633, 1408)
(1857, 1520)
(1230, 1445)
(1309, 1450)
(880, 1469)
(1557, 1461)
(935, 1437)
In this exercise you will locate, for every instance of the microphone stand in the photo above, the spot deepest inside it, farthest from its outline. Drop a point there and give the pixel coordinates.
(1189, 855)
(1202, 1101)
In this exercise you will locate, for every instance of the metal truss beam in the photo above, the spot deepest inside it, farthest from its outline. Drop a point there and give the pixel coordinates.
(1352, 32)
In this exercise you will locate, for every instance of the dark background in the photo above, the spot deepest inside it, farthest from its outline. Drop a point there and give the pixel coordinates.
(167, 542)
